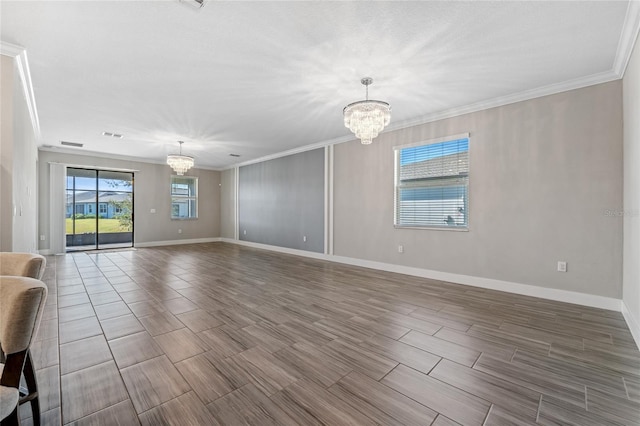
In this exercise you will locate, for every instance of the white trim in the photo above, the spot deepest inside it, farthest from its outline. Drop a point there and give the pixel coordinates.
(330, 205)
(632, 323)
(9, 49)
(292, 151)
(566, 296)
(178, 242)
(22, 62)
(328, 199)
(628, 36)
(236, 201)
(84, 166)
(526, 95)
(285, 250)
(552, 89)
(82, 152)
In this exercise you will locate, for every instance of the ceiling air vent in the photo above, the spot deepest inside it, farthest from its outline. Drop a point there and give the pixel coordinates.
(75, 144)
(112, 135)
(234, 155)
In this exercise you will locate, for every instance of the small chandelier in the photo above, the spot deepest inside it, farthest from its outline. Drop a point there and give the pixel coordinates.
(180, 163)
(367, 118)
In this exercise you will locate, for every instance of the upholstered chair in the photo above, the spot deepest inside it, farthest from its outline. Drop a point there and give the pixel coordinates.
(25, 265)
(22, 265)
(22, 301)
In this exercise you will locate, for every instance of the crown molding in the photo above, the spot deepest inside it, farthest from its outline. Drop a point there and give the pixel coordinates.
(22, 63)
(292, 151)
(9, 49)
(82, 152)
(552, 89)
(526, 95)
(628, 37)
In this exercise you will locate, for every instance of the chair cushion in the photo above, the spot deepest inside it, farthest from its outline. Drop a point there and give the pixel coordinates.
(8, 400)
(22, 301)
(22, 264)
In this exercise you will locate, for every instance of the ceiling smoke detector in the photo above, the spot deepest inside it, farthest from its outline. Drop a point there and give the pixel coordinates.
(194, 3)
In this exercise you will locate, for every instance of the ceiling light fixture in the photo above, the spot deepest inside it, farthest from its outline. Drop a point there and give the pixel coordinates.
(366, 119)
(180, 163)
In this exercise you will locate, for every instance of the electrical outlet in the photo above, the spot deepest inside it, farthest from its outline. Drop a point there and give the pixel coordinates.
(244, 232)
(179, 231)
(304, 238)
(42, 237)
(400, 249)
(152, 210)
(562, 266)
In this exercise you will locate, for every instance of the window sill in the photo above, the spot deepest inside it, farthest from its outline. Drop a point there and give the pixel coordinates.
(433, 228)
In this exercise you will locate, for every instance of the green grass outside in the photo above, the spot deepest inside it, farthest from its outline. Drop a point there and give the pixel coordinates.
(89, 225)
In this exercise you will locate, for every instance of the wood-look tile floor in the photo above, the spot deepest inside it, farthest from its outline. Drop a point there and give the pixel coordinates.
(222, 334)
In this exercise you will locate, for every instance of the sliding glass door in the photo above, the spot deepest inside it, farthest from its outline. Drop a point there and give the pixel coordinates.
(99, 210)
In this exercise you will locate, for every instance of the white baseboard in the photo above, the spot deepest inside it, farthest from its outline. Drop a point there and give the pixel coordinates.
(45, 252)
(632, 322)
(574, 297)
(177, 242)
(295, 252)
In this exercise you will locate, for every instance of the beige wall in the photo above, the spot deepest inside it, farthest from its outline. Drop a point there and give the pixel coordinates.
(228, 204)
(18, 159)
(151, 191)
(631, 271)
(543, 174)
(6, 153)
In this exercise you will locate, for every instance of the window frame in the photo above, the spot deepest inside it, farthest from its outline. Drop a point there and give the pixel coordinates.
(188, 198)
(396, 181)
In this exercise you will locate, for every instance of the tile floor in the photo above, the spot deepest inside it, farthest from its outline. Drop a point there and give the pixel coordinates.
(222, 334)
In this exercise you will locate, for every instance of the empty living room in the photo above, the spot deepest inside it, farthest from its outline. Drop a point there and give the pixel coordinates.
(319, 213)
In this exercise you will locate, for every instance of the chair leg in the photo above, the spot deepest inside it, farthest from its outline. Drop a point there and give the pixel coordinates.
(32, 385)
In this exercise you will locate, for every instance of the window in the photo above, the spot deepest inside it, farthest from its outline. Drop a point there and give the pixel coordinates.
(432, 184)
(102, 208)
(184, 197)
(89, 208)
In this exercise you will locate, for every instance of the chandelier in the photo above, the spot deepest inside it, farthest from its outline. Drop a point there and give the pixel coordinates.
(367, 118)
(180, 163)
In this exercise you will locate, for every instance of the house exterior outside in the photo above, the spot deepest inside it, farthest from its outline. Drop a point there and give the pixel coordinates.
(85, 203)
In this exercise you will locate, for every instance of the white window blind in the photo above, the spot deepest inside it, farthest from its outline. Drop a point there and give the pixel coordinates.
(184, 197)
(432, 184)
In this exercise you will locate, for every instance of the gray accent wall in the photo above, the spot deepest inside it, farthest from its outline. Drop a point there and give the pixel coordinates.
(544, 176)
(281, 201)
(631, 211)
